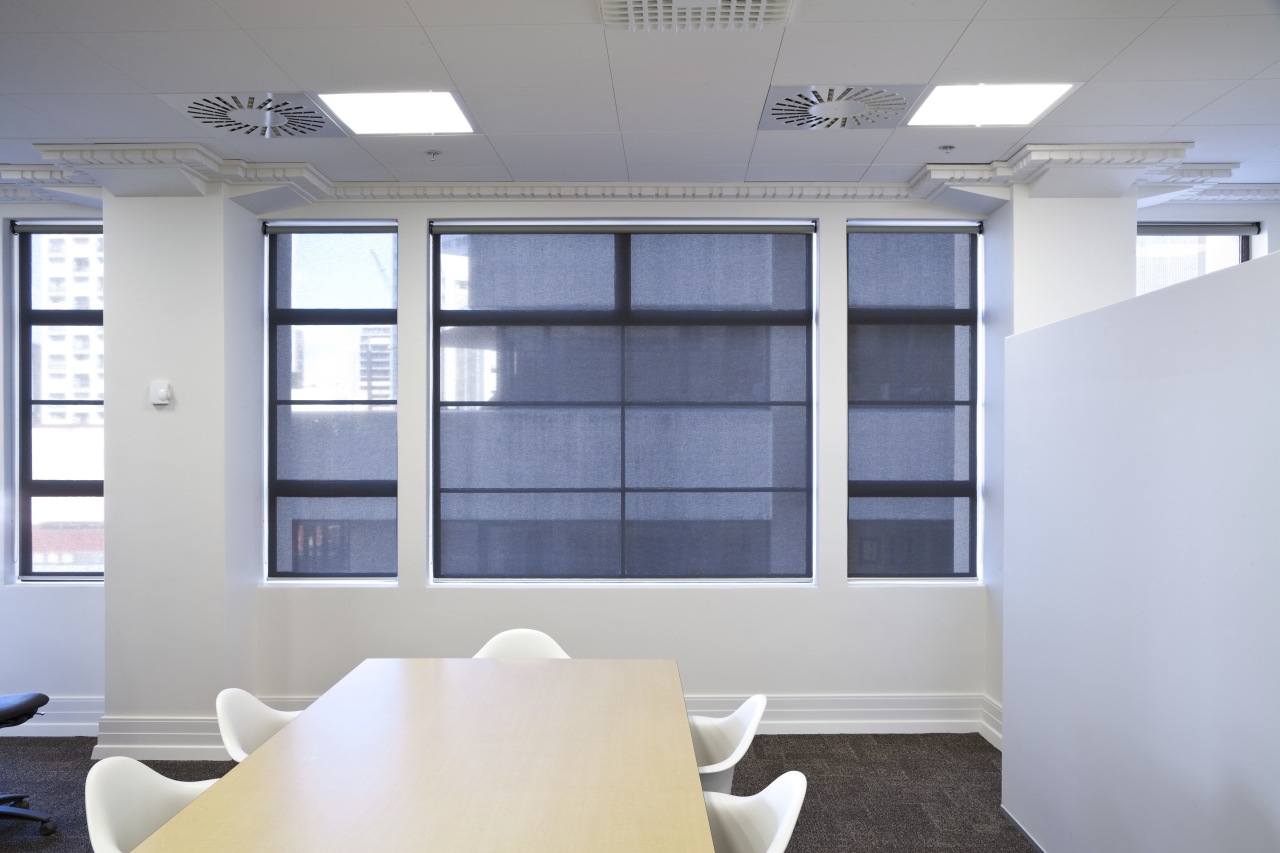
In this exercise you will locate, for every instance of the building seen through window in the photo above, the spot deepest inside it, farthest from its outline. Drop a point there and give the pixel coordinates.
(61, 420)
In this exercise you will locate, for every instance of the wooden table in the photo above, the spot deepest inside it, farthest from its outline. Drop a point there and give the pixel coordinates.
(466, 756)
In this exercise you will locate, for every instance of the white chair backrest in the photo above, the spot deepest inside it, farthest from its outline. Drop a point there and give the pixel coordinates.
(761, 823)
(720, 742)
(521, 643)
(245, 722)
(125, 801)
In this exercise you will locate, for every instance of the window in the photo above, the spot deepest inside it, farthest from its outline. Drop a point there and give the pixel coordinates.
(60, 440)
(912, 346)
(1170, 252)
(625, 402)
(331, 478)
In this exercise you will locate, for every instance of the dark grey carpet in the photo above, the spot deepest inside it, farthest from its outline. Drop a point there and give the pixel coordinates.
(897, 793)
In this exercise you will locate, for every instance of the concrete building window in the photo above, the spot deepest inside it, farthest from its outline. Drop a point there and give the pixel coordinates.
(623, 402)
(331, 478)
(59, 506)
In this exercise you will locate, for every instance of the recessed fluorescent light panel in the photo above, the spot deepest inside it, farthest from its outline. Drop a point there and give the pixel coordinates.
(1000, 104)
(399, 112)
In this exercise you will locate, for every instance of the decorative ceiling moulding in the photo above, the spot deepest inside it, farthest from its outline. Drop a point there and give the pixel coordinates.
(619, 192)
(1236, 193)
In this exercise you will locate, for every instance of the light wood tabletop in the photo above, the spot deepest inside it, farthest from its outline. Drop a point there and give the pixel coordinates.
(466, 756)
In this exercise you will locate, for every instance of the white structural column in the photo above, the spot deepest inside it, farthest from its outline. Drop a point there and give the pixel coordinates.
(1047, 258)
(1073, 255)
(183, 482)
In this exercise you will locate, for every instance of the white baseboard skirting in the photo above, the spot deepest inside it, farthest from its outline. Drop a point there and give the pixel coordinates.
(196, 738)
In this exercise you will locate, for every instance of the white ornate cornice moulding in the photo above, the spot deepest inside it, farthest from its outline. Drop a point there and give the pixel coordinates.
(185, 169)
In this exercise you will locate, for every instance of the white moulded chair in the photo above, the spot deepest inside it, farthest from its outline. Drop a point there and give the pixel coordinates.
(125, 801)
(761, 823)
(246, 723)
(720, 742)
(521, 643)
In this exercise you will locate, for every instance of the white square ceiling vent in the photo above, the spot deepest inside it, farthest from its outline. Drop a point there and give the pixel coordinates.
(839, 107)
(265, 115)
(694, 15)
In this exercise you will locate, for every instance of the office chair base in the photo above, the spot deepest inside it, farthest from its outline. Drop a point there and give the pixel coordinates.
(15, 806)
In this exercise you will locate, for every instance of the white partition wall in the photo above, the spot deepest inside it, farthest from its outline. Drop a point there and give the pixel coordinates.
(1142, 553)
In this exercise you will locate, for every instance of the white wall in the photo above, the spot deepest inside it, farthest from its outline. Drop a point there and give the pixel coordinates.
(1141, 640)
(185, 613)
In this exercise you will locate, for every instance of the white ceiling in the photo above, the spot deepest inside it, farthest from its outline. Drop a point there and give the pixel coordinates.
(558, 97)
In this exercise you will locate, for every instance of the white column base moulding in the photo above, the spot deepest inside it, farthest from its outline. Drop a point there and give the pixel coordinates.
(196, 738)
(171, 738)
(64, 716)
(955, 713)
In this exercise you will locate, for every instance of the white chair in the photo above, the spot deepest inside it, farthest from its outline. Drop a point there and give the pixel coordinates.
(521, 643)
(720, 742)
(125, 801)
(761, 823)
(245, 722)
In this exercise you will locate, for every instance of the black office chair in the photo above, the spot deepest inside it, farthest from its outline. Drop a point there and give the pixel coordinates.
(16, 709)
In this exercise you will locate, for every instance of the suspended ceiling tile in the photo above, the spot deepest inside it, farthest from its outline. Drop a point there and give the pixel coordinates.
(653, 150)
(1093, 134)
(204, 61)
(89, 16)
(363, 59)
(18, 17)
(1213, 8)
(1060, 51)
(1056, 9)
(889, 174)
(114, 115)
(1232, 144)
(19, 122)
(410, 152)
(53, 62)
(876, 52)
(688, 108)
(972, 145)
(1221, 48)
(1269, 73)
(783, 172)
(734, 59)
(270, 14)
(1252, 102)
(562, 156)
(830, 147)
(556, 57)
(1134, 103)
(435, 13)
(588, 108)
(714, 173)
(878, 10)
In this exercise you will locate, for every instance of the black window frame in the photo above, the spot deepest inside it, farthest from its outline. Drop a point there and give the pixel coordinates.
(27, 319)
(277, 488)
(954, 317)
(623, 318)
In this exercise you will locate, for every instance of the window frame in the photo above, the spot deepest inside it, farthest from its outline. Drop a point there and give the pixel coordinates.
(1245, 231)
(277, 317)
(956, 317)
(26, 320)
(621, 316)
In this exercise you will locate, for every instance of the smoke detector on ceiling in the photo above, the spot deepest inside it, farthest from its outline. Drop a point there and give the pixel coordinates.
(838, 107)
(694, 15)
(258, 115)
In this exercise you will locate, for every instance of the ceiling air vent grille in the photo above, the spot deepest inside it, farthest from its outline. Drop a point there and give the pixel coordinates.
(694, 15)
(840, 107)
(265, 116)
